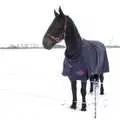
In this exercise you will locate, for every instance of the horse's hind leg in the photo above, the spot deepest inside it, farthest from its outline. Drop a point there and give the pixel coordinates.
(91, 83)
(101, 87)
(83, 92)
(74, 94)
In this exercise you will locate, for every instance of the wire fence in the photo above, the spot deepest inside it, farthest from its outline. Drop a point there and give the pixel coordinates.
(29, 46)
(41, 47)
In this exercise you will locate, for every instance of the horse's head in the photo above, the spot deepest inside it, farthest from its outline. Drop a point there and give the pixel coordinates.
(56, 31)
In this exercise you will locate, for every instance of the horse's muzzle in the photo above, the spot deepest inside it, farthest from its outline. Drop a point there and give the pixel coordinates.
(48, 43)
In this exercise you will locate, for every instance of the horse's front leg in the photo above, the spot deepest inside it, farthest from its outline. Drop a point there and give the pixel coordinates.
(74, 94)
(83, 92)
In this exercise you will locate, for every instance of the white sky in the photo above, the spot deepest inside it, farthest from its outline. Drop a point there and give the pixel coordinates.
(26, 21)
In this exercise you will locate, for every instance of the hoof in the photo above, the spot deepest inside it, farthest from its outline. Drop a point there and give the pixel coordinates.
(73, 106)
(91, 91)
(101, 93)
(83, 109)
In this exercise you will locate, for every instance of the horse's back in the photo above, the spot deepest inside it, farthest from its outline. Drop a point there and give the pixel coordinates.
(96, 44)
(95, 56)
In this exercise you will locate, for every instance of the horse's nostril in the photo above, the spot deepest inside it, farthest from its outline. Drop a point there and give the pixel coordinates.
(44, 43)
(48, 43)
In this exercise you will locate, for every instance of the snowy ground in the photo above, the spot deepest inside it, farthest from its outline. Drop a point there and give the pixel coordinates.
(32, 88)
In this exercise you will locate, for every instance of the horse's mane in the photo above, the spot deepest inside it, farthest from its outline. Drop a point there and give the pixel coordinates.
(72, 39)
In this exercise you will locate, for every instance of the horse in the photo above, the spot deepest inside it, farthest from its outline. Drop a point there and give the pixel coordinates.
(84, 59)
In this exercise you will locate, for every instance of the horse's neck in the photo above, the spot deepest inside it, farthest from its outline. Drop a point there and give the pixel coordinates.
(73, 41)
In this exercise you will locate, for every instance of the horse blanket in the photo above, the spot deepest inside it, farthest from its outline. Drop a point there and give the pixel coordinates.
(92, 60)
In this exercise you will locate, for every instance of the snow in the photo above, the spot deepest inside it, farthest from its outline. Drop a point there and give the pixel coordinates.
(31, 84)
(32, 87)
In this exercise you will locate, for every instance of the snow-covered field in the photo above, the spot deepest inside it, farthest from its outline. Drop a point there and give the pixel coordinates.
(31, 84)
(32, 87)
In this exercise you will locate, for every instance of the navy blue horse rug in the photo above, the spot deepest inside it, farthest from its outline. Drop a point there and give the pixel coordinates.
(92, 60)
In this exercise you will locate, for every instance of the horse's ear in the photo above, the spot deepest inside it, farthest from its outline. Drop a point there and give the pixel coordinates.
(56, 14)
(61, 12)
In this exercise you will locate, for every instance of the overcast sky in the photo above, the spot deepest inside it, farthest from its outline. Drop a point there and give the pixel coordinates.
(26, 21)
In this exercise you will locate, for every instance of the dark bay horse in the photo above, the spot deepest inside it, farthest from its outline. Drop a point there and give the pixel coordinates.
(83, 59)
